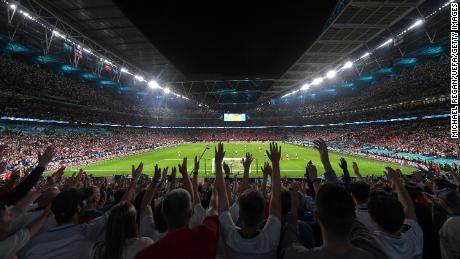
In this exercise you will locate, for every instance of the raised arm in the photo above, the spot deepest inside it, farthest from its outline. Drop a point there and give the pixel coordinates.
(185, 178)
(247, 165)
(136, 173)
(356, 171)
(313, 175)
(394, 176)
(275, 203)
(346, 175)
(23, 187)
(152, 190)
(267, 171)
(24, 203)
(227, 182)
(172, 182)
(196, 195)
(223, 203)
(329, 173)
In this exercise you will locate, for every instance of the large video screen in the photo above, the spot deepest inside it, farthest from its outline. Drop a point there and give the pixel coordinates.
(234, 116)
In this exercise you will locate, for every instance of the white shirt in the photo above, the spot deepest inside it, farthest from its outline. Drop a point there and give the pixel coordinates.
(147, 229)
(409, 245)
(264, 245)
(68, 241)
(199, 214)
(362, 215)
(11, 245)
(134, 245)
(449, 237)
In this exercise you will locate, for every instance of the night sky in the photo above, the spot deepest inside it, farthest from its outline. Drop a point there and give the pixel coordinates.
(232, 38)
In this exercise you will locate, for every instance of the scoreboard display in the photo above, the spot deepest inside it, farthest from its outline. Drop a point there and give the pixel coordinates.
(234, 116)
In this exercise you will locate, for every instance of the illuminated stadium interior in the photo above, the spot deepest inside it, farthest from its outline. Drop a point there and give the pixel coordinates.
(314, 129)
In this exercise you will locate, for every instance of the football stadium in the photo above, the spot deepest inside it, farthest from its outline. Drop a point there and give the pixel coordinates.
(242, 129)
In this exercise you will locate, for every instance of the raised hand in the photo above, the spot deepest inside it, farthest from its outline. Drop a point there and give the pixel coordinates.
(165, 173)
(226, 169)
(45, 158)
(156, 173)
(266, 170)
(312, 172)
(183, 168)
(275, 153)
(196, 165)
(219, 153)
(57, 176)
(247, 162)
(136, 172)
(321, 146)
(343, 164)
(392, 175)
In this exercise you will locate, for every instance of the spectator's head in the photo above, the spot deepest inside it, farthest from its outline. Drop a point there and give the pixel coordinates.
(67, 206)
(450, 200)
(335, 210)
(177, 209)
(252, 204)
(92, 196)
(386, 213)
(440, 183)
(47, 197)
(159, 219)
(121, 226)
(360, 192)
(285, 201)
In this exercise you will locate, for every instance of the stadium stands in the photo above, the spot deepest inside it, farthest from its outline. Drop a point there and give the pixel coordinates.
(65, 107)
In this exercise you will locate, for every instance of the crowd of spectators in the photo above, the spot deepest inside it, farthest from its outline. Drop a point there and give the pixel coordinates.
(30, 92)
(173, 214)
(88, 144)
(418, 83)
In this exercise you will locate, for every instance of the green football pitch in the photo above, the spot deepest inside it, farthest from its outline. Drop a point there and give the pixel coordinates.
(291, 166)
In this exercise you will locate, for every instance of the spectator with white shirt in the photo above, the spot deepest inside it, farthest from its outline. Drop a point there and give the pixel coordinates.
(70, 239)
(360, 194)
(255, 238)
(449, 233)
(394, 220)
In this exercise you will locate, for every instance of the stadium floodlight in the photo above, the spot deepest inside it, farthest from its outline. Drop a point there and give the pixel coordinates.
(139, 78)
(13, 6)
(166, 90)
(331, 74)
(305, 87)
(317, 81)
(385, 43)
(417, 23)
(365, 55)
(124, 70)
(348, 64)
(153, 84)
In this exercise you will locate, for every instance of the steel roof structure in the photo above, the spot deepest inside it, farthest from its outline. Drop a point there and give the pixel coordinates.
(105, 25)
(102, 26)
(359, 22)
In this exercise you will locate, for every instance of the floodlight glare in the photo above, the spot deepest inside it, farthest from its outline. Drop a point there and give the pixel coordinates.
(348, 64)
(13, 6)
(124, 70)
(365, 55)
(139, 78)
(317, 81)
(331, 74)
(166, 90)
(153, 84)
(305, 87)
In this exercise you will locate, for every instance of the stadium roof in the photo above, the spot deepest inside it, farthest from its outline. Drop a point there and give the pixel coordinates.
(357, 22)
(104, 23)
